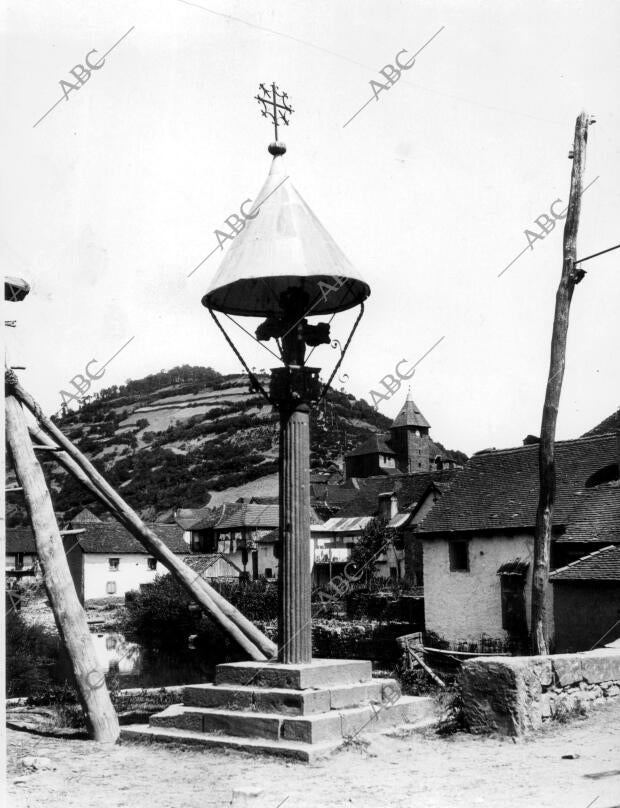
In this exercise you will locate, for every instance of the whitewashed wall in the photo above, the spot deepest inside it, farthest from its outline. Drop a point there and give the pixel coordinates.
(132, 571)
(461, 606)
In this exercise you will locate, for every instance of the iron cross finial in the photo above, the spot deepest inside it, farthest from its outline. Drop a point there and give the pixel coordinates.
(274, 105)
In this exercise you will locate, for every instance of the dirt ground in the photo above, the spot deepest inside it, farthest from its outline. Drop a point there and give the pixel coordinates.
(390, 772)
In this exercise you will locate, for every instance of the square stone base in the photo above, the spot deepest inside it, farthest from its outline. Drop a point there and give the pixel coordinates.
(297, 711)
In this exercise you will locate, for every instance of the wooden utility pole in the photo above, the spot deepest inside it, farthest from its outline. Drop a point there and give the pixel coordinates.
(68, 612)
(571, 275)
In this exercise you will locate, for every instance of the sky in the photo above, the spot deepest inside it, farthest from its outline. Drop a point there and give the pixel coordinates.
(113, 197)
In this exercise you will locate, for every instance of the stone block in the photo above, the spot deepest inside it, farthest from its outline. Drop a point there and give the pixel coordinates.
(291, 702)
(262, 746)
(320, 673)
(267, 700)
(355, 695)
(601, 665)
(178, 716)
(312, 728)
(567, 669)
(229, 698)
(245, 725)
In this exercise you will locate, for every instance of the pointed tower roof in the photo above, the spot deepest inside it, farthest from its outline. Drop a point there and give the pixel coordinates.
(282, 237)
(410, 414)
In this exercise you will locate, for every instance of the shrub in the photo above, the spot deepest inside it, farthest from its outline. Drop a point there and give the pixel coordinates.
(159, 617)
(257, 600)
(31, 653)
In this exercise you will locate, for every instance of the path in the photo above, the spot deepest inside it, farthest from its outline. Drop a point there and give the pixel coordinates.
(392, 772)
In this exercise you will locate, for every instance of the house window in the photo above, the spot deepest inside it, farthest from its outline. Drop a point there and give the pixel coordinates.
(113, 564)
(152, 563)
(459, 556)
(268, 572)
(393, 573)
(110, 587)
(19, 561)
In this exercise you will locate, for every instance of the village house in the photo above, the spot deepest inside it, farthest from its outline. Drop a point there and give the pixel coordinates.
(478, 538)
(244, 534)
(401, 502)
(106, 561)
(21, 554)
(586, 600)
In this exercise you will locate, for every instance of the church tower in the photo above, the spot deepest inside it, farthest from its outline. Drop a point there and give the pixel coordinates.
(410, 438)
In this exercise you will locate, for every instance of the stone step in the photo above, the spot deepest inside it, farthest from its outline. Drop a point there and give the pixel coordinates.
(320, 673)
(286, 700)
(311, 729)
(288, 749)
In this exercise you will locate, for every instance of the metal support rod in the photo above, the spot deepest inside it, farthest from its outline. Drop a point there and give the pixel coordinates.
(595, 255)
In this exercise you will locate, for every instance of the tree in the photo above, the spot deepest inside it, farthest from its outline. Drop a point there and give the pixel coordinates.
(375, 537)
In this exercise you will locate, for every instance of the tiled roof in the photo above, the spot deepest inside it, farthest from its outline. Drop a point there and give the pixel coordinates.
(410, 415)
(187, 517)
(85, 516)
(375, 444)
(249, 516)
(237, 515)
(338, 525)
(20, 540)
(595, 516)
(109, 537)
(407, 487)
(499, 489)
(337, 495)
(200, 562)
(211, 516)
(609, 424)
(601, 565)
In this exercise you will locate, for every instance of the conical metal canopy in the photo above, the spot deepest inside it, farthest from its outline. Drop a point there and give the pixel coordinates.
(284, 247)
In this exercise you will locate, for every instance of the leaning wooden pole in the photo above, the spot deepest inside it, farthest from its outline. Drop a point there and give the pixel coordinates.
(571, 275)
(247, 635)
(215, 604)
(69, 615)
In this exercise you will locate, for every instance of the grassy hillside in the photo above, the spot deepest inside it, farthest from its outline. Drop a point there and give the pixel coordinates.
(171, 439)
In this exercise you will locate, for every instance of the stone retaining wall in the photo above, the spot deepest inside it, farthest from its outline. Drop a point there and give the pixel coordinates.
(515, 695)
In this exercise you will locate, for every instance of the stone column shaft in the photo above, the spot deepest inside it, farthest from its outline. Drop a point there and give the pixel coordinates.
(295, 618)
